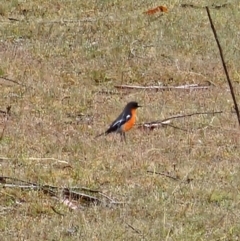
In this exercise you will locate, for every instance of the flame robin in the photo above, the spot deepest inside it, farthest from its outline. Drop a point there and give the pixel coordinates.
(124, 122)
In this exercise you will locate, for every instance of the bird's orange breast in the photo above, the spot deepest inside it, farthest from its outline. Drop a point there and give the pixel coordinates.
(130, 123)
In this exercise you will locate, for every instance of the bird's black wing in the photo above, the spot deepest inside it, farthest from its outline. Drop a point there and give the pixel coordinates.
(116, 125)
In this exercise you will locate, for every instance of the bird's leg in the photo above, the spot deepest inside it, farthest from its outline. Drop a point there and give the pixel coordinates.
(123, 136)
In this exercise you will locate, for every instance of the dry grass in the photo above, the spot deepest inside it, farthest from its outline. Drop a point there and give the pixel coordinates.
(64, 53)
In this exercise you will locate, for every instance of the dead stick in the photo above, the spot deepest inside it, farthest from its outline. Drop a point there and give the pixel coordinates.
(179, 116)
(134, 229)
(13, 19)
(77, 195)
(11, 80)
(164, 174)
(180, 87)
(187, 115)
(20, 186)
(176, 127)
(185, 5)
(7, 114)
(54, 210)
(224, 66)
(3, 179)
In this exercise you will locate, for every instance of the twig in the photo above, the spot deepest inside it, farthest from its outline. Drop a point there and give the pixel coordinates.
(186, 5)
(54, 210)
(21, 186)
(134, 229)
(166, 122)
(117, 203)
(178, 128)
(191, 114)
(86, 189)
(13, 19)
(59, 21)
(181, 87)
(165, 174)
(112, 201)
(185, 179)
(11, 80)
(70, 21)
(154, 125)
(104, 195)
(80, 196)
(45, 159)
(4, 180)
(54, 191)
(37, 159)
(7, 114)
(224, 66)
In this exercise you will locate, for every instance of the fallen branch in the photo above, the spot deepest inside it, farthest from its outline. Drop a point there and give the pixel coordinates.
(46, 158)
(186, 5)
(47, 189)
(14, 180)
(13, 19)
(134, 229)
(21, 186)
(11, 80)
(166, 122)
(84, 20)
(80, 196)
(178, 128)
(38, 159)
(62, 21)
(224, 65)
(191, 114)
(66, 194)
(112, 201)
(180, 87)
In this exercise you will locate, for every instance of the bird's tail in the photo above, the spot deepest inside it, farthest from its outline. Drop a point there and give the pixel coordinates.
(104, 133)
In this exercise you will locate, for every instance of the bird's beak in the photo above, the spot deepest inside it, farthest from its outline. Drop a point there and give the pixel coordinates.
(140, 106)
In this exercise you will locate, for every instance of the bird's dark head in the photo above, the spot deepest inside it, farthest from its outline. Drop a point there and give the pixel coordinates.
(133, 105)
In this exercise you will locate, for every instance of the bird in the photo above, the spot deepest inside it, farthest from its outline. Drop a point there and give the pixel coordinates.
(124, 122)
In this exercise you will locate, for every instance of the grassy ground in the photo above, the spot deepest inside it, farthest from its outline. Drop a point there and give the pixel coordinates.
(65, 54)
